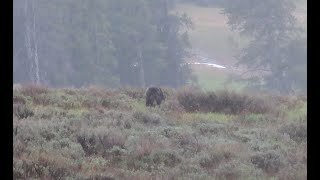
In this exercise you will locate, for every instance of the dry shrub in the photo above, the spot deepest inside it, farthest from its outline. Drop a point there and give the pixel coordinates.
(303, 98)
(222, 101)
(232, 150)
(290, 101)
(69, 91)
(255, 119)
(41, 100)
(98, 91)
(42, 165)
(19, 99)
(214, 128)
(173, 107)
(168, 157)
(33, 90)
(137, 175)
(270, 162)
(89, 103)
(22, 111)
(188, 142)
(158, 159)
(228, 171)
(94, 102)
(147, 118)
(295, 173)
(17, 170)
(297, 131)
(19, 147)
(219, 157)
(57, 165)
(97, 141)
(210, 161)
(102, 176)
(169, 93)
(189, 99)
(141, 149)
(184, 139)
(135, 93)
(16, 87)
(295, 170)
(113, 139)
(145, 145)
(300, 155)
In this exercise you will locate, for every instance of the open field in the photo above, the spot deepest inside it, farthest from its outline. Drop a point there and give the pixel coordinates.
(212, 79)
(211, 33)
(212, 36)
(95, 133)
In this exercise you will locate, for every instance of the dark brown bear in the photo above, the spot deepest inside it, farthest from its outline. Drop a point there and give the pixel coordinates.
(154, 94)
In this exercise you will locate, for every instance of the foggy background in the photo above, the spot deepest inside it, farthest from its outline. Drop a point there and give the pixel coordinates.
(137, 43)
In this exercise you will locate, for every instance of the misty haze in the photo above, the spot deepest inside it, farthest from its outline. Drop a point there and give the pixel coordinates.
(159, 89)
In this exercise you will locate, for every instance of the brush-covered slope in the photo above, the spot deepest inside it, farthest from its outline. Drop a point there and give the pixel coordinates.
(94, 133)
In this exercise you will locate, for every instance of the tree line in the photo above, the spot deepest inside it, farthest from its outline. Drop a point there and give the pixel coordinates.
(142, 42)
(109, 42)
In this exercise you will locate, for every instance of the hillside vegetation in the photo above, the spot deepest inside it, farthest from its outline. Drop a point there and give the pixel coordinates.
(96, 133)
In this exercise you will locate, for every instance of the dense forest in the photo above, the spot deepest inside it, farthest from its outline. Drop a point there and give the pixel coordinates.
(138, 43)
(113, 42)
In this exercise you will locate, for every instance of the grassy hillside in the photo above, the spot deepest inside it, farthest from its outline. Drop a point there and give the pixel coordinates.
(94, 133)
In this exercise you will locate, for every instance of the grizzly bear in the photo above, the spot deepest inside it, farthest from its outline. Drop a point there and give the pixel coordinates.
(154, 94)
